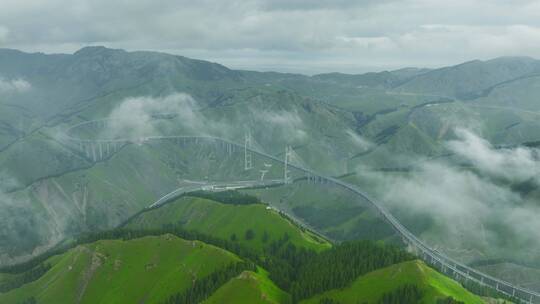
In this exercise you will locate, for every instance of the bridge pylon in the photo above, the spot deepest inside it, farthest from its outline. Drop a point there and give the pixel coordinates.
(288, 155)
(248, 160)
(263, 173)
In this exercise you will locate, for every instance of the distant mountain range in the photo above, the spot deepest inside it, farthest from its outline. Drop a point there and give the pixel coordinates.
(339, 124)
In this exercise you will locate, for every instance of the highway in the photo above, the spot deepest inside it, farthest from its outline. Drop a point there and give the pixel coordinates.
(212, 186)
(98, 149)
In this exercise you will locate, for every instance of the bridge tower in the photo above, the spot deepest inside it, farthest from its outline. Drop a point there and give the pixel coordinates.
(263, 173)
(93, 146)
(248, 161)
(288, 155)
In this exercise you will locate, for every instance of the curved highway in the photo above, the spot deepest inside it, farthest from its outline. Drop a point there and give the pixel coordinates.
(438, 259)
(212, 186)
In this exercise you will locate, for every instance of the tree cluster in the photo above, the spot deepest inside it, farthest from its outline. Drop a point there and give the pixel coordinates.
(406, 294)
(341, 265)
(26, 277)
(31, 300)
(449, 300)
(299, 271)
(230, 197)
(177, 230)
(203, 288)
(328, 301)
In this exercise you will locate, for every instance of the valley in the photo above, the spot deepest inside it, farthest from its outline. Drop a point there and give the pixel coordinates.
(131, 128)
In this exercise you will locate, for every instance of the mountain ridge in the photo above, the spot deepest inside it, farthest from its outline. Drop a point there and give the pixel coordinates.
(412, 71)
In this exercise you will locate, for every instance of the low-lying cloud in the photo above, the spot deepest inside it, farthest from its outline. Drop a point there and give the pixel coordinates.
(360, 142)
(14, 85)
(515, 165)
(138, 117)
(474, 210)
(283, 124)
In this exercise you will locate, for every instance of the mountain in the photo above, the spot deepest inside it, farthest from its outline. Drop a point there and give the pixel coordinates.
(468, 80)
(384, 80)
(145, 269)
(375, 285)
(234, 221)
(368, 130)
(249, 288)
(186, 265)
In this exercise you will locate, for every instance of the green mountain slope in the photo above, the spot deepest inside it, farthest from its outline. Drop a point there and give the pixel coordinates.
(249, 288)
(336, 213)
(160, 269)
(148, 269)
(336, 123)
(225, 220)
(371, 287)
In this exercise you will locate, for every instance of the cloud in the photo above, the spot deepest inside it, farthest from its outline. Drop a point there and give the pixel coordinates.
(135, 117)
(14, 86)
(285, 125)
(471, 210)
(515, 165)
(311, 36)
(360, 142)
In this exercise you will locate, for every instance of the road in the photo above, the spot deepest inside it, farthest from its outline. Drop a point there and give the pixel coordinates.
(212, 186)
(444, 263)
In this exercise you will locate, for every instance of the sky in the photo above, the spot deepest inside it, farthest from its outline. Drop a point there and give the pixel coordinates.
(305, 36)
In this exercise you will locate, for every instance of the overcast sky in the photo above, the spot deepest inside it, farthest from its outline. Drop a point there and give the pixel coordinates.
(306, 36)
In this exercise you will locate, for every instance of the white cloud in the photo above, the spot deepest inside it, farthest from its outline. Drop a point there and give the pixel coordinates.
(471, 209)
(360, 142)
(286, 125)
(516, 165)
(303, 35)
(14, 86)
(135, 117)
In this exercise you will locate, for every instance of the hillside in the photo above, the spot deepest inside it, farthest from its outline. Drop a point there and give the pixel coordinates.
(332, 211)
(469, 79)
(138, 263)
(371, 287)
(370, 128)
(249, 288)
(228, 222)
(114, 271)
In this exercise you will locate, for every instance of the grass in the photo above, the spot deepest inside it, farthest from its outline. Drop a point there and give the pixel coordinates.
(148, 269)
(333, 211)
(249, 288)
(223, 220)
(370, 287)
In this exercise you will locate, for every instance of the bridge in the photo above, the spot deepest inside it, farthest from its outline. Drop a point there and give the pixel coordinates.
(101, 149)
(212, 186)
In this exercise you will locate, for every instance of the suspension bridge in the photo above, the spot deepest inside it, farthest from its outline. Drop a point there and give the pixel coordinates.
(102, 149)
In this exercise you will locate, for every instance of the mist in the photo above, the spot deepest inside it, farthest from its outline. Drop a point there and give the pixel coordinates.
(286, 126)
(135, 117)
(473, 208)
(361, 143)
(14, 86)
(514, 165)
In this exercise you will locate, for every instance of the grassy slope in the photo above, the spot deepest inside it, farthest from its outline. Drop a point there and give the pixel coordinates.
(335, 212)
(249, 288)
(115, 271)
(221, 220)
(371, 287)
